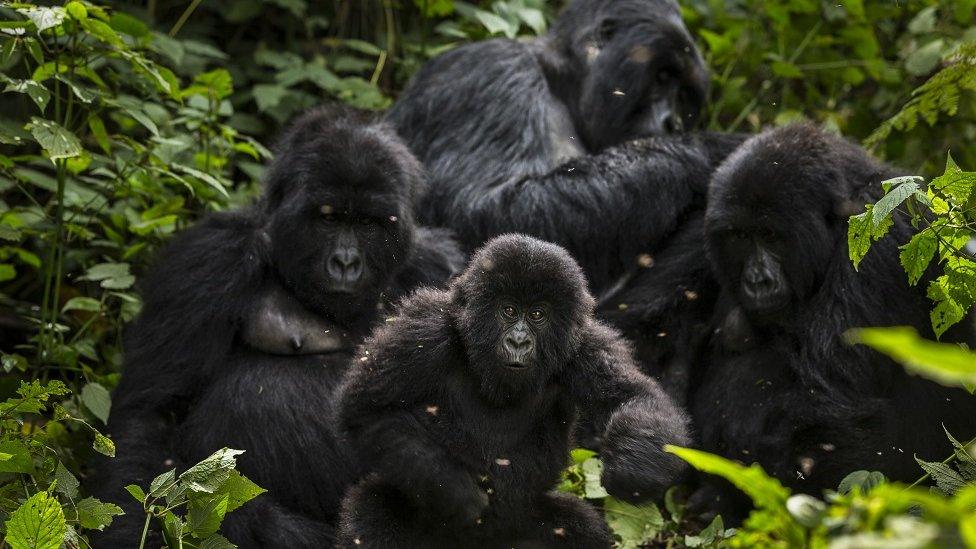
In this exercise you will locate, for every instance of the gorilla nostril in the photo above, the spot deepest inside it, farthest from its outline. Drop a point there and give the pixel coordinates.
(673, 124)
(346, 265)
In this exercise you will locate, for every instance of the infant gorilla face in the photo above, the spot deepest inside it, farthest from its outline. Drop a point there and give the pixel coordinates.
(521, 326)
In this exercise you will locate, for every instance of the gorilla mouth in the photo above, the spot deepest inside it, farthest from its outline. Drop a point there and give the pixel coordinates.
(517, 366)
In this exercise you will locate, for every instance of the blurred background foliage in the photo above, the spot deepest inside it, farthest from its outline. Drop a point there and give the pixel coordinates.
(122, 122)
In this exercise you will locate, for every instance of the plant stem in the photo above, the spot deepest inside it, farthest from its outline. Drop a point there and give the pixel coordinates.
(145, 531)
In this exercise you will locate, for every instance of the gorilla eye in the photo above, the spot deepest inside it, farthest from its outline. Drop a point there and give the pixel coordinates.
(537, 315)
(328, 213)
(509, 311)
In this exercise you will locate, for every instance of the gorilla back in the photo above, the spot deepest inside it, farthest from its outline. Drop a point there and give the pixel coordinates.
(780, 385)
(249, 321)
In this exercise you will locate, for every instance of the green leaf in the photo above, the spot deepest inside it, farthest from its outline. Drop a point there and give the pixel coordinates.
(56, 140)
(20, 460)
(765, 491)
(127, 24)
(96, 515)
(136, 493)
(163, 484)
(76, 10)
(97, 127)
(205, 513)
(239, 490)
(208, 475)
(82, 304)
(44, 18)
(579, 455)
(923, 60)
(216, 83)
(67, 483)
(7, 272)
(113, 276)
(954, 182)
(918, 253)
(901, 189)
(103, 445)
(102, 32)
(37, 524)
(633, 525)
(96, 398)
(216, 541)
(946, 363)
(806, 509)
(36, 91)
(862, 480)
(859, 237)
(592, 471)
(268, 96)
(786, 69)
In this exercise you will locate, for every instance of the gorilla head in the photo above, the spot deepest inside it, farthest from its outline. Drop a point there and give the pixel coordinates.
(520, 305)
(778, 210)
(339, 208)
(642, 74)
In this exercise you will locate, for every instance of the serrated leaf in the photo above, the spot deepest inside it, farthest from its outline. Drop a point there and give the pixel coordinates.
(37, 524)
(162, 484)
(56, 140)
(96, 515)
(217, 541)
(67, 483)
(859, 237)
(136, 492)
(862, 480)
(918, 253)
(208, 475)
(900, 190)
(633, 525)
(592, 471)
(205, 513)
(20, 460)
(97, 399)
(239, 490)
(946, 478)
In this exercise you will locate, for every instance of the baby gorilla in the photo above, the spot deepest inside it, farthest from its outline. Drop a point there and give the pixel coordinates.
(463, 407)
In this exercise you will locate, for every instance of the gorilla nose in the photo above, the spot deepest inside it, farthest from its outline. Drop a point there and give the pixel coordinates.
(672, 124)
(518, 343)
(345, 265)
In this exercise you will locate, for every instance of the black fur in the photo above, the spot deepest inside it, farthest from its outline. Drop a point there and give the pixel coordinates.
(779, 385)
(205, 367)
(465, 449)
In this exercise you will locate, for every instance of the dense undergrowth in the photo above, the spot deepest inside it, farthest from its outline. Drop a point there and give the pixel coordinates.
(123, 123)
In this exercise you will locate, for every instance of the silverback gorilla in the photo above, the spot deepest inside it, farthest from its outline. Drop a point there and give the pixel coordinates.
(463, 408)
(779, 386)
(250, 319)
(554, 138)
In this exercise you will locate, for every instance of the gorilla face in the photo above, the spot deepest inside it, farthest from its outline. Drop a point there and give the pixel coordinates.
(340, 217)
(644, 76)
(520, 303)
(771, 223)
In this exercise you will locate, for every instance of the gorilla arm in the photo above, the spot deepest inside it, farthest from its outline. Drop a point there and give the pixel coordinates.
(194, 298)
(408, 360)
(631, 414)
(483, 120)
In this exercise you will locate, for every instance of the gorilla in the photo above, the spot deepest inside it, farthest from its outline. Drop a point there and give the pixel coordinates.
(779, 386)
(577, 138)
(250, 319)
(463, 409)
(554, 137)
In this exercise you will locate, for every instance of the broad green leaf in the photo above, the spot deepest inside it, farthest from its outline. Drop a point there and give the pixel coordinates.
(786, 69)
(946, 478)
(945, 315)
(954, 182)
(7, 272)
(173, 530)
(205, 513)
(37, 524)
(494, 24)
(44, 18)
(208, 475)
(923, 60)
(633, 525)
(918, 253)
(97, 127)
(162, 484)
(216, 83)
(136, 492)
(102, 32)
(76, 10)
(97, 399)
(239, 490)
(216, 541)
(967, 529)
(57, 141)
(127, 24)
(859, 237)
(435, 8)
(96, 515)
(67, 483)
(946, 363)
(113, 276)
(579, 455)
(862, 480)
(20, 460)
(765, 491)
(267, 96)
(36, 91)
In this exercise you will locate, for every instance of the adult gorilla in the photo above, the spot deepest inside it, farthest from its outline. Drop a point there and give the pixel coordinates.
(546, 137)
(250, 320)
(550, 138)
(779, 386)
